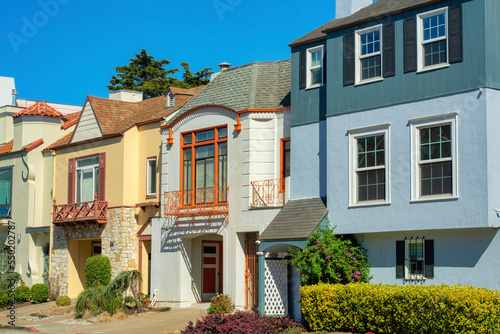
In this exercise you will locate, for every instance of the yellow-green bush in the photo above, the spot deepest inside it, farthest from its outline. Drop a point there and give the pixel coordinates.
(362, 307)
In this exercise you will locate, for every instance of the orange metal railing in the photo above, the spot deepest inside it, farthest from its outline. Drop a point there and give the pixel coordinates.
(209, 202)
(79, 212)
(268, 193)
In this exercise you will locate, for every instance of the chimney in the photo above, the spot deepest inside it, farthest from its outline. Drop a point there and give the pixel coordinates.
(347, 7)
(125, 95)
(224, 66)
(14, 97)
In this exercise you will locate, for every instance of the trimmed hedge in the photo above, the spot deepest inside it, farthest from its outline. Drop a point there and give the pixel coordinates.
(39, 293)
(63, 301)
(22, 294)
(97, 271)
(362, 307)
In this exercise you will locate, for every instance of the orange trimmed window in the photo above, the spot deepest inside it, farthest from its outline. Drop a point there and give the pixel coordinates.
(204, 166)
(285, 157)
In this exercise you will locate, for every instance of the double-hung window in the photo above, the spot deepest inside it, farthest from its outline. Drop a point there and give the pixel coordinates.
(369, 166)
(5, 192)
(87, 179)
(369, 54)
(432, 30)
(315, 67)
(151, 177)
(434, 165)
(204, 166)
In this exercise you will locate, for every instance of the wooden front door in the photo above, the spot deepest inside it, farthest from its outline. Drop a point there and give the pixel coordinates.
(211, 269)
(251, 271)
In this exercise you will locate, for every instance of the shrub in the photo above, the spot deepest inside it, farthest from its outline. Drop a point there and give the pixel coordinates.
(379, 308)
(39, 293)
(6, 297)
(221, 304)
(97, 299)
(97, 271)
(328, 258)
(63, 301)
(240, 322)
(22, 294)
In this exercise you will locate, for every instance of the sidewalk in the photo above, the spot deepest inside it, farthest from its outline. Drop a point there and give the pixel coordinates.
(150, 322)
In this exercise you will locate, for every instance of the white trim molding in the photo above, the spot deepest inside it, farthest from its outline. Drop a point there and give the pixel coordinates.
(354, 135)
(430, 122)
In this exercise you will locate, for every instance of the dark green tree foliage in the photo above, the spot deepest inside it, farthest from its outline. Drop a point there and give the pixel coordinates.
(97, 271)
(199, 78)
(329, 258)
(147, 75)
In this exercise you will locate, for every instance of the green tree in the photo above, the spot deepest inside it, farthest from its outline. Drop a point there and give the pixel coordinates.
(329, 258)
(145, 74)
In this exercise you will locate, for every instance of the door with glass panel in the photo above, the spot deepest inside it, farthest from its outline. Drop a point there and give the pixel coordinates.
(87, 179)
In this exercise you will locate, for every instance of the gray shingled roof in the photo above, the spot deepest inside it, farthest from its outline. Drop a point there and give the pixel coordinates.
(377, 10)
(296, 221)
(262, 85)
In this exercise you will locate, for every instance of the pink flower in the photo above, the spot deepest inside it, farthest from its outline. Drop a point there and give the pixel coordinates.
(358, 273)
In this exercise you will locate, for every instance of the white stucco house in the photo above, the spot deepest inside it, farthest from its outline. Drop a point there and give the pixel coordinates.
(224, 172)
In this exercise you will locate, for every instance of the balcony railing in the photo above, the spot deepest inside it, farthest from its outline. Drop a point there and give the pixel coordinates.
(268, 193)
(209, 202)
(95, 211)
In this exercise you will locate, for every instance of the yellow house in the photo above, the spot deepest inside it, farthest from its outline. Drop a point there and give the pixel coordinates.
(106, 186)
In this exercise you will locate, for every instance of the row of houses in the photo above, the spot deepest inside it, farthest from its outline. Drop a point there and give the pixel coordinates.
(205, 190)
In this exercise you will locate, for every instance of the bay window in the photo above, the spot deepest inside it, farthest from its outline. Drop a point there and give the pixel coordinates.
(204, 166)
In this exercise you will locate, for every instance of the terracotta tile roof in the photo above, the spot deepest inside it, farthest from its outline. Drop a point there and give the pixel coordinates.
(6, 148)
(71, 120)
(63, 141)
(33, 145)
(40, 109)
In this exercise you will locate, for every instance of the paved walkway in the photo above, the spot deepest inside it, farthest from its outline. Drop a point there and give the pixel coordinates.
(150, 322)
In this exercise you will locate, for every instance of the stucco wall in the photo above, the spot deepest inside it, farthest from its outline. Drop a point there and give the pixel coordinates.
(469, 210)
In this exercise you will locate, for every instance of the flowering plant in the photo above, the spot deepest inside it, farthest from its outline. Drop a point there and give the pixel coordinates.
(330, 258)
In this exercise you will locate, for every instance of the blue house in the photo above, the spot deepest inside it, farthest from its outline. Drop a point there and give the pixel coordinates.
(395, 116)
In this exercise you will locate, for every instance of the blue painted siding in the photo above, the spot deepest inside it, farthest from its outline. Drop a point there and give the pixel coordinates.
(469, 210)
(308, 105)
(412, 86)
(492, 27)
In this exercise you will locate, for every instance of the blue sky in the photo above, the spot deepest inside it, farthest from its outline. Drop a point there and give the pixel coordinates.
(63, 50)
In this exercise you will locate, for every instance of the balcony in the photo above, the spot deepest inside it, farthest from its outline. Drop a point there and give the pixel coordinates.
(209, 203)
(268, 193)
(94, 211)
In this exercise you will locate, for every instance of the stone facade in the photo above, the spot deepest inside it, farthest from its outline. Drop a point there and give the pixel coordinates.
(119, 242)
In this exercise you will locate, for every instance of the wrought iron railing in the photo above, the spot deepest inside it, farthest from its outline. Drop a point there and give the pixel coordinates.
(268, 193)
(209, 202)
(95, 210)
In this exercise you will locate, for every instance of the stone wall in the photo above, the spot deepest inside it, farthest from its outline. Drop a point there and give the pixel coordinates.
(119, 242)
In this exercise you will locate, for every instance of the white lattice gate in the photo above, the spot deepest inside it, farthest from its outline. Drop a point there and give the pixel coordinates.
(276, 287)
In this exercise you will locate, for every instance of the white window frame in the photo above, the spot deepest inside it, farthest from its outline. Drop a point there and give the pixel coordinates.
(354, 134)
(359, 57)
(408, 275)
(93, 167)
(421, 42)
(415, 125)
(310, 68)
(148, 177)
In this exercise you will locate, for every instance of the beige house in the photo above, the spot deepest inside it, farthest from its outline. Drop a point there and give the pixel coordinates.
(26, 185)
(106, 186)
